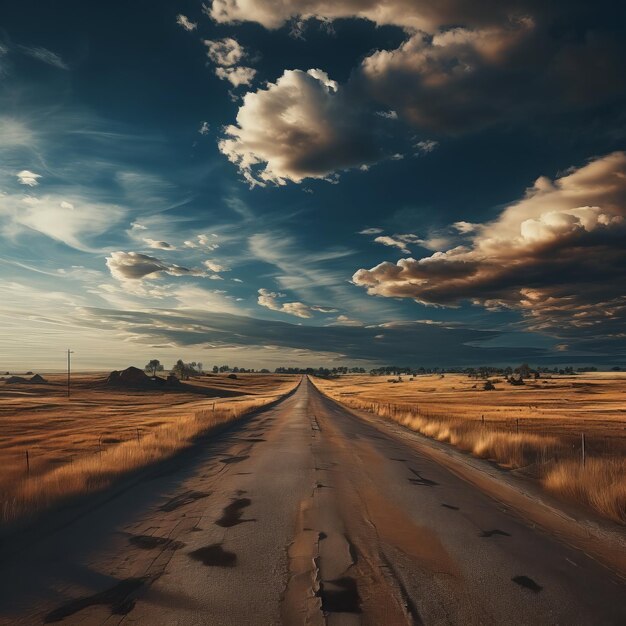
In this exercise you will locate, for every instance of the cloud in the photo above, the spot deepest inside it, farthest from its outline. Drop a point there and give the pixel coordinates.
(438, 345)
(386, 240)
(216, 267)
(136, 266)
(301, 126)
(204, 128)
(344, 320)
(557, 255)
(427, 145)
(225, 52)
(370, 231)
(158, 245)
(206, 242)
(185, 22)
(236, 76)
(26, 177)
(45, 56)
(423, 16)
(269, 299)
(73, 220)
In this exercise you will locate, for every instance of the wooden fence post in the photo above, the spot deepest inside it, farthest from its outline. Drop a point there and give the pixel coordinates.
(582, 438)
(27, 464)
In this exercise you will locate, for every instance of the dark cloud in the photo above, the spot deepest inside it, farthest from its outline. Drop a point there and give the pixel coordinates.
(412, 343)
(464, 65)
(557, 255)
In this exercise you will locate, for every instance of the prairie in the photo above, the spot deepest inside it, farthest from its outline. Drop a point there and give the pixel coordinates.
(536, 428)
(52, 447)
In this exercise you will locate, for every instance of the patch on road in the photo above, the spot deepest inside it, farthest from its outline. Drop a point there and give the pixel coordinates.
(527, 583)
(231, 515)
(149, 542)
(117, 597)
(495, 531)
(214, 556)
(340, 596)
(183, 499)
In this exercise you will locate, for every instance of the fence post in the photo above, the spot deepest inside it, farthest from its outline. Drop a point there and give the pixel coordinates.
(517, 424)
(582, 438)
(483, 420)
(138, 435)
(27, 464)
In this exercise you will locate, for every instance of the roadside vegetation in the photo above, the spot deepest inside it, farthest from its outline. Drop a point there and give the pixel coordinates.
(597, 480)
(28, 495)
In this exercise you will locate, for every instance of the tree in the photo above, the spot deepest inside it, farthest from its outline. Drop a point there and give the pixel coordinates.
(216, 369)
(182, 370)
(153, 367)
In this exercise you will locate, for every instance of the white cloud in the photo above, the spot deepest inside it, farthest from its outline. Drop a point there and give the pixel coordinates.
(216, 267)
(204, 128)
(344, 320)
(236, 76)
(207, 242)
(225, 52)
(426, 145)
(270, 300)
(370, 231)
(158, 245)
(26, 177)
(45, 56)
(395, 242)
(186, 23)
(72, 220)
(299, 127)
(389, 115)
(136, 266)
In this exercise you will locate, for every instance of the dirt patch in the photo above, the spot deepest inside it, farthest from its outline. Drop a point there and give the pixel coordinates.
(150, 542)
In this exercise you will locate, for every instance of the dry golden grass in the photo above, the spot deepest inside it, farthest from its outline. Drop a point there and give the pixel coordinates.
(514, 432)
(97, 466)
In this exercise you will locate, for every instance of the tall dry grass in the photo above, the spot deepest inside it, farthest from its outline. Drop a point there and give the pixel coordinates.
(95, 472)
(599, 484)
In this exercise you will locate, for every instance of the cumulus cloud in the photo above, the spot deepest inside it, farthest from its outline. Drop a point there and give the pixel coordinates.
(185, 22)
(158, 245)
(136, 266)
(557, 255)
(301, 126)
(216, 267)
(225, 52)
(426, 145)
(463, 65)
(26, 177)
(270, 300)
(236, 76)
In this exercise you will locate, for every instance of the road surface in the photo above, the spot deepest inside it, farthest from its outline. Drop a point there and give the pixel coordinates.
(306, 514)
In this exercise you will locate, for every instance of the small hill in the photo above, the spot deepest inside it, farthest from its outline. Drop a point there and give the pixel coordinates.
(38, 379)
(15, 380)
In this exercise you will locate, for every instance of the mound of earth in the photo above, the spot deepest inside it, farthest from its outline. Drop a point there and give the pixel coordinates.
(134, 377)
(16, 379)
(38, 379)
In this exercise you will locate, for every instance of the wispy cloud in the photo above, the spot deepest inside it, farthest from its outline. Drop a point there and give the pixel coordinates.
(45, 56)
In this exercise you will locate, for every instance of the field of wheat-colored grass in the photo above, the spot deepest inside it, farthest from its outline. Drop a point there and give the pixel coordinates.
(79, 446)
(536, 427)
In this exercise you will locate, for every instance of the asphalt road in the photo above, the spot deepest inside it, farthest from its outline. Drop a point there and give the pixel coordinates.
(306, 514)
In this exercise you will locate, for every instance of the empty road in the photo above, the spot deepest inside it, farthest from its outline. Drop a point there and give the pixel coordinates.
(306, 514)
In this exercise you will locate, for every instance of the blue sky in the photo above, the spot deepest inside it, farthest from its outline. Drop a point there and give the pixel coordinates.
(273, 183)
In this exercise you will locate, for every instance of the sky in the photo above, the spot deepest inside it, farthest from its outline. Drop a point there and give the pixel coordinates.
(270, 183)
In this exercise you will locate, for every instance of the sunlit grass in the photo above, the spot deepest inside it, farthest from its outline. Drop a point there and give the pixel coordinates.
(98, 471)
(599, 484)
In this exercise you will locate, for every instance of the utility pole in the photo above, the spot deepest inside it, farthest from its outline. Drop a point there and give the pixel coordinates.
(69, 352)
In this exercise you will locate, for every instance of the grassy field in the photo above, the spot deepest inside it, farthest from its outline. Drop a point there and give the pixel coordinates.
(80, 445)
(536, 428)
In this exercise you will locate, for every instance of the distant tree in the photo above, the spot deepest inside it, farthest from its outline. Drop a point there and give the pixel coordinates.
(182, 370)
(616, 368)
(216, 369)
(153, 366)
(199, 367)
